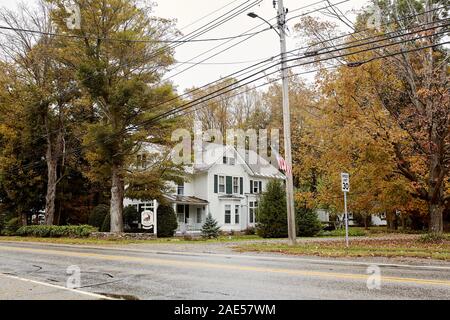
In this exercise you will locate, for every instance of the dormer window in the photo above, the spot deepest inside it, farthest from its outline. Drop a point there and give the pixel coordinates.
(229, 160)
(180, 189)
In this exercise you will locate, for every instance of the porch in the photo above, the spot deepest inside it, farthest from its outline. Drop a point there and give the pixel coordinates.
(190, 211)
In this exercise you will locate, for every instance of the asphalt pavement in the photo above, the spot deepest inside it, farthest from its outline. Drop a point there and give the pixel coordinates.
(43, 271)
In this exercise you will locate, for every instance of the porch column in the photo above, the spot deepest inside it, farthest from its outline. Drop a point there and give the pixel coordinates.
(155, 210)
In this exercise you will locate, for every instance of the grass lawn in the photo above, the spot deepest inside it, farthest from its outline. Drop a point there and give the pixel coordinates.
(358, 248)
(93, 241)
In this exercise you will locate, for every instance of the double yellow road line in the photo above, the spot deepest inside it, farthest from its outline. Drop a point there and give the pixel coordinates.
(220, 266)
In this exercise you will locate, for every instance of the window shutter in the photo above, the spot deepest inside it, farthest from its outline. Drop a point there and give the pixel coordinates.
(260, 187)
(229, 183)
(216, 181)
(241, 185)
(251, 186)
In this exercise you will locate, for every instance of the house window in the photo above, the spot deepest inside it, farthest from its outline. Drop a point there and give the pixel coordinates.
(236, 214)
(252, 206)
(256, 186)
(228, 160)
(221, 184)
(227, 214)
(199, 215)
(180, 189)
(235, 184)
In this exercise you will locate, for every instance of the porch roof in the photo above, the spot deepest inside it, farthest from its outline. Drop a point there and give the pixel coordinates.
(185, 199)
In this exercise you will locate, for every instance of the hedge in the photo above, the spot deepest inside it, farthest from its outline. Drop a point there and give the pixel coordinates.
(44, 231)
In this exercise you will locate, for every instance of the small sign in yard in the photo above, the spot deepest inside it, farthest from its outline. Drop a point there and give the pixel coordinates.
(345, 181)
(147, 219)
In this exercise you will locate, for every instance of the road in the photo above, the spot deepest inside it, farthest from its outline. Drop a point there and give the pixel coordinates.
(39, 271)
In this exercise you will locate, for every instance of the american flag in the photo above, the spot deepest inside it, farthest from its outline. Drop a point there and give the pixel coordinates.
(282, 165)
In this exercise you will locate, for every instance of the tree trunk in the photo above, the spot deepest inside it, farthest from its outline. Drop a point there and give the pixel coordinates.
(436, 218)
(23, 218)
(52, 177)
(391, 220)
(436, 190)
(117, 192)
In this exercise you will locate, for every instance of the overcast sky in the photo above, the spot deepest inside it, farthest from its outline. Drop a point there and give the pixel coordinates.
(261, 46)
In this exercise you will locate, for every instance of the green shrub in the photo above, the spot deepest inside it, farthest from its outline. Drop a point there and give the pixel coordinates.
(250, 231)
(308, 224)
(432, 238)
(97, 216)
(11, 226)
(167, 221)
(210, 229)
(44, 231)
(106, 225)
(271, 213)
(130, 215)
(2, 222)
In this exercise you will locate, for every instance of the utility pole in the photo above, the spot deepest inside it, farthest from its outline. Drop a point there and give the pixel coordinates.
(281, 24)
(287, 125)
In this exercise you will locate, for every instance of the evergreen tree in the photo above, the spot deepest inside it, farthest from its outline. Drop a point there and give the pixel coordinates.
(130, 216)
(123, 80)
(210, 229)
(272, 214)
(308, 224)
(97, 216)
(167, 221)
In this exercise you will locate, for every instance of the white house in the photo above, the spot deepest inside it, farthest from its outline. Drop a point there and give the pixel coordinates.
(227, 184)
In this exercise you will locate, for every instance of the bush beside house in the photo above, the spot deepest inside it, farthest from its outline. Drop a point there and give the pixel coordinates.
(130, 217)
(271, 213)
(45, 231)
(11, 226)
(210, 229)
(98, 215)
(167, 221)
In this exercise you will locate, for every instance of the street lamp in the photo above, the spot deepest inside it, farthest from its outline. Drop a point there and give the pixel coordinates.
(286, 118)
(254, 15)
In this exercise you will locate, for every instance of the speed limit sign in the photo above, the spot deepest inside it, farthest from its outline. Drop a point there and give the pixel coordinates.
(345, 179)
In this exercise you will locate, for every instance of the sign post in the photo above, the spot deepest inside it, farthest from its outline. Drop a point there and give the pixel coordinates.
(345, 181)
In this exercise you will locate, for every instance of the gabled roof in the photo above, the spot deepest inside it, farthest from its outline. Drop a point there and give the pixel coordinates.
(254, 164)
(213, 153)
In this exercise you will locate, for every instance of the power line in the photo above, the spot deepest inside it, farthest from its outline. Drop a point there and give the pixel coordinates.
(269, 60)
(202, 98)
(226, 49)
(199, 31)
(53, 34)
(324, 59)
(327, 6)
(30, 166)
